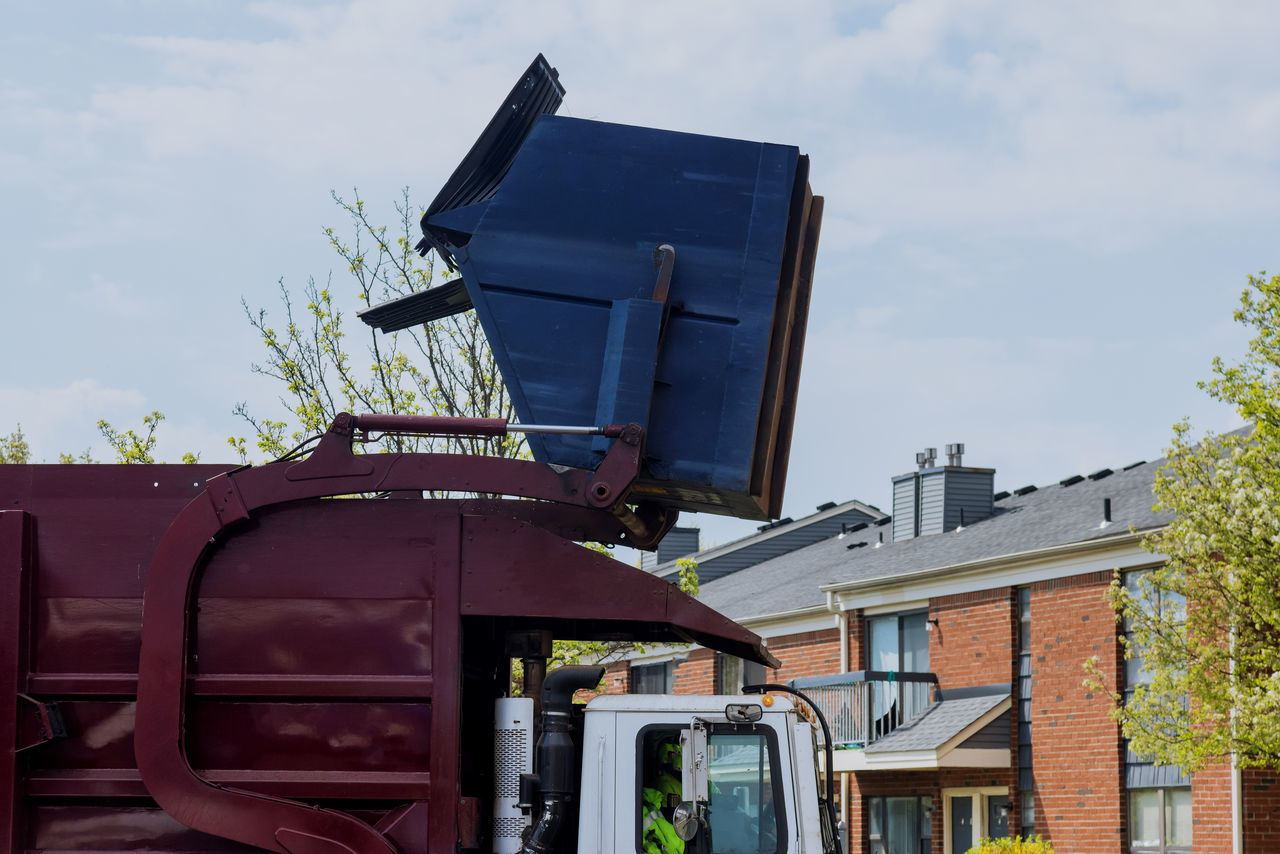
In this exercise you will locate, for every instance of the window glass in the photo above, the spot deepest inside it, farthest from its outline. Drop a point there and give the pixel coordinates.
(883, 642)
(1135, 670)
(733, 672)
(729, 675)
(875, 808)
(742, 814)
(659, 764)
(903, 823)
(899, 825)
(651, 678)
(1177, 817)
(1024, 619)
(1144, 818)
(915, 643)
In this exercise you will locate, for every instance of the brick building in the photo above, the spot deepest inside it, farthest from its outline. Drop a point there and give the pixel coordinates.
(946, 645)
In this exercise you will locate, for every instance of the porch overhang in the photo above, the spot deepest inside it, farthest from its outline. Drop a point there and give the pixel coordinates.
(949, 734)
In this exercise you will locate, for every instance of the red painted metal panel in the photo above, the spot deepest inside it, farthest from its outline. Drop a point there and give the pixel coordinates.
(305, 654)
(15, 570)
(514, 569)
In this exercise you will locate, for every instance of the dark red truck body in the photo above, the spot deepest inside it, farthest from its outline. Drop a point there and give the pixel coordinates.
(308, 674)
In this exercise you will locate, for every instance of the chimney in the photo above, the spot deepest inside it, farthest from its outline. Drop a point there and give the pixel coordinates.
(678, 542)
(935, 499)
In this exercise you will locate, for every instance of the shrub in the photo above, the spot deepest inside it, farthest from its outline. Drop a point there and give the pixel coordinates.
(1012, 845)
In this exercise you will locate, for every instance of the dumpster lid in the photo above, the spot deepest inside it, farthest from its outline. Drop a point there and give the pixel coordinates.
(477, 177)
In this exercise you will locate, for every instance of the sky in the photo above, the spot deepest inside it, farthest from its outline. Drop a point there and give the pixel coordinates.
(1039, 217)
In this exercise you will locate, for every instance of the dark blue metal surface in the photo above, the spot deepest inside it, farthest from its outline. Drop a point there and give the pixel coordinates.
(559, 264)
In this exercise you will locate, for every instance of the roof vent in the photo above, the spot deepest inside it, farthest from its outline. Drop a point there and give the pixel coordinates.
(1071, 481)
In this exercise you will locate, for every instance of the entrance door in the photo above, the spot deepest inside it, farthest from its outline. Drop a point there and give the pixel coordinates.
(998, 816)
(961, 824)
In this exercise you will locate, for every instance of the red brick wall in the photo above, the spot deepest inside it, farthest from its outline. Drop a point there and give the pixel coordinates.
(1079, 764)
(696, 674)
(617, 678)
(1260, 790)
(976, 640)
(1211, 810)
(806, 654)
(857, 640)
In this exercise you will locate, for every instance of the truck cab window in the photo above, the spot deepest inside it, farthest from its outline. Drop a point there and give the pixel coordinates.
(744, 815)
(659, 768)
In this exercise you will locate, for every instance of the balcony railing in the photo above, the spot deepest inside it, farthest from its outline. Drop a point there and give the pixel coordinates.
(867, 705)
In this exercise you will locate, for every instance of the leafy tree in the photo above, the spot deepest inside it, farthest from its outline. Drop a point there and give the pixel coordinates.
(130, 446)
(444, 368)
(1214, 666)
(14, 448)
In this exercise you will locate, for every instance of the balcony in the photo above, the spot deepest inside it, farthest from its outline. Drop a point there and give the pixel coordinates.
(882, 720)
(865, 706)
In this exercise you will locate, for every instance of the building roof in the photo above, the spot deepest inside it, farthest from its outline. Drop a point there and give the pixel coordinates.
(938, 724)
(774, 539)
(1027, 520)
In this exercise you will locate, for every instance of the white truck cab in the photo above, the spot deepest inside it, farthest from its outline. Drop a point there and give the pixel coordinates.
(743, 767)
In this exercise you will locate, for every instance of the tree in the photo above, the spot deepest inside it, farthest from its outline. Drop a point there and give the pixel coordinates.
(131, 446)
(444, 368)
(1214, 666)
(14, 448)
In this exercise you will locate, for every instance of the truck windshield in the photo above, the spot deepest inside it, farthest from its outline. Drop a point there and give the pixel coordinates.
(744, 791)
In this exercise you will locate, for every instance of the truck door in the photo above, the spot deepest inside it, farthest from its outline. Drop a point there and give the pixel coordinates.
(748, 791)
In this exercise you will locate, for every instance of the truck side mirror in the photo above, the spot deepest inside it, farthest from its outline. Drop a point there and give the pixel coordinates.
(685, 820)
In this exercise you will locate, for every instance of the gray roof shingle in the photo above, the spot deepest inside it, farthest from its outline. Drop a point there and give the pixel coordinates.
(1050, 516)
(936, 725)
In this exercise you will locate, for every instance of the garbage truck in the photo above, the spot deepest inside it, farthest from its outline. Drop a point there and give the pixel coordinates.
(314, 655)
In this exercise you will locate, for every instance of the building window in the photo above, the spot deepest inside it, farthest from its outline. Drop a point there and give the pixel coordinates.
(1160, 821)
(733, 672)
(900, 825)
(1140, 772)
(1026, 780)
(652, 678)
(897, 643)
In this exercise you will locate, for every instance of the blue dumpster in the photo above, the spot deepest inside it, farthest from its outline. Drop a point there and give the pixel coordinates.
(627, 274)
